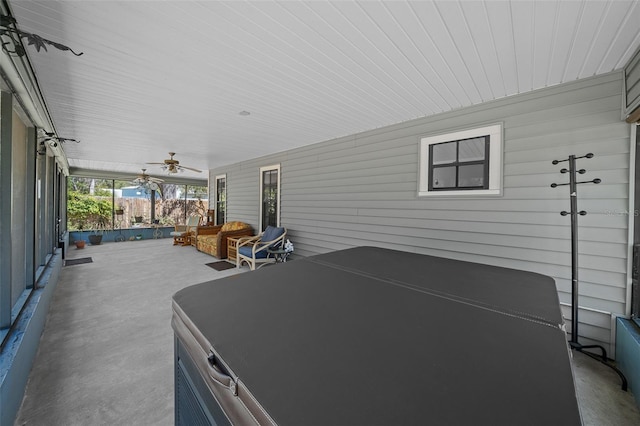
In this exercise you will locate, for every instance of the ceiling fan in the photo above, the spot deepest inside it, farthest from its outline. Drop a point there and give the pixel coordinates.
(145, 178)
(147, 182)
(173, 166)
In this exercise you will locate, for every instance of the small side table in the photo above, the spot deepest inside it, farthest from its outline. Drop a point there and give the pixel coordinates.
(232, 248)
(280, 255)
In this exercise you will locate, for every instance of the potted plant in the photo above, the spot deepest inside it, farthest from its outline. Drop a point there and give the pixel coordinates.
(120, 210)
(95, 239)
(80, 243)
(97, 231)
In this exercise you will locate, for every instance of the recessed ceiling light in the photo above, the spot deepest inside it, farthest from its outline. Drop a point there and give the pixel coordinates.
(244, 113)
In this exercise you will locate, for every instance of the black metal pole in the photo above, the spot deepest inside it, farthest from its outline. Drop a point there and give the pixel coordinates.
(573, 191)
(152, 199)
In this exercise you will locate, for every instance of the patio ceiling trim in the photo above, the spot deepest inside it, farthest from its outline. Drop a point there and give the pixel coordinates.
(104, 174)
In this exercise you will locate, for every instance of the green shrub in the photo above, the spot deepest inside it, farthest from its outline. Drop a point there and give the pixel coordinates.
(87, 211)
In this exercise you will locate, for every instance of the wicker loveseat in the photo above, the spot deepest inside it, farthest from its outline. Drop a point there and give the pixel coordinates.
(213, 239)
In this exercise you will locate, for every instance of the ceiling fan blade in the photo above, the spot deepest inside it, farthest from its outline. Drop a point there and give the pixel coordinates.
(190, 168)
(172, 166)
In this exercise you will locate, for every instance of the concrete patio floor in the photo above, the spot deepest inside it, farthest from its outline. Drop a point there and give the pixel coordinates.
(106, 355)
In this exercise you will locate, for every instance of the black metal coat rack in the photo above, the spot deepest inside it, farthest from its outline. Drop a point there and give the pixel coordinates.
(574, 213)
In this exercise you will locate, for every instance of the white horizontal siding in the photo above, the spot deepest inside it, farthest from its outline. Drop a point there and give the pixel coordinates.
(632, 84)
(362, 190)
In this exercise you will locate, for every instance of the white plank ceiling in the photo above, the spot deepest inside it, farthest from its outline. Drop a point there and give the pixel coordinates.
(160, 76)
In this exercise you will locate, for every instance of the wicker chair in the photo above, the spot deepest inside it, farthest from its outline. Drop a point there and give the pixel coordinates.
(254, 250)
(182, 233)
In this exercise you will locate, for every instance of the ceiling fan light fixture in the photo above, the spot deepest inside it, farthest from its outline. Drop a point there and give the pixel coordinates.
(172, 166)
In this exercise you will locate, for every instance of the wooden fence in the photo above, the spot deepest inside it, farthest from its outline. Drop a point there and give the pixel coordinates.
(168, 212)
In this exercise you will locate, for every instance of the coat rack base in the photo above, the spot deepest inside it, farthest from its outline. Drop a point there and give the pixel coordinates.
(602, 358)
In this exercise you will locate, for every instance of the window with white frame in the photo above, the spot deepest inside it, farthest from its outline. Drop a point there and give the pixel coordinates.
(221, 199)
(269, 196)
(467, 162)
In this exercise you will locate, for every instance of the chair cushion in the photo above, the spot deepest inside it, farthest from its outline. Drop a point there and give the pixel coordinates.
(178, 233)
(233, 226)
(193, 221)
(207, 244)
(246, 251)
(271, 233)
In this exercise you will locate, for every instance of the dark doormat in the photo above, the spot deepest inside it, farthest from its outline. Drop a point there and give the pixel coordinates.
(220, 266)
(78, 261)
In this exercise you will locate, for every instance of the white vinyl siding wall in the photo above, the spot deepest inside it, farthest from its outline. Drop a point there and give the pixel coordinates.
(632, 85)
(363, 190)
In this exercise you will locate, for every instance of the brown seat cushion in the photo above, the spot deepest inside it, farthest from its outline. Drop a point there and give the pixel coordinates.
(234, 226)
